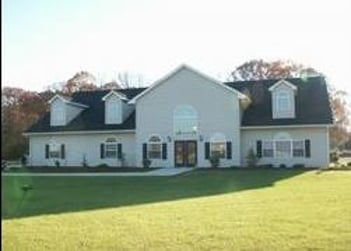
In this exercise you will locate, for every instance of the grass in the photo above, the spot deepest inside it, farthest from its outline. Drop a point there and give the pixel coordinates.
(201, 210)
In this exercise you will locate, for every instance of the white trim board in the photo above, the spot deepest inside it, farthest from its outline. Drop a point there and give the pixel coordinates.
(283, 82)
(67, 101)
(179, 68)
(117, 94)
(78, 132)
(283, 126)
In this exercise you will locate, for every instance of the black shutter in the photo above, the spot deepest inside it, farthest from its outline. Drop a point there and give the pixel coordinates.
(164, 151)
(46, 151)
(63, 154)
(207, 150)
(119, 151)
(144, 151)
(229, 150)
(259, 148)
(102, 151)
(307, 148)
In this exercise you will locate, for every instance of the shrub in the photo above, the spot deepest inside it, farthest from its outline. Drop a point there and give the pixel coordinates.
(299, 166)
(122, 158)
(282, 166)
(235, 167)
(349, 164)
(214, 160)
(84, 161)
(146, 163)
(57, 163)
(268, 166)
(251, 158)
(103, 165)
(24, 160)
(334, 157)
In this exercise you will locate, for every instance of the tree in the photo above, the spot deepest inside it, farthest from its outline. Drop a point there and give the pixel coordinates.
(111, 85)
(81, 81)
(129, 80)
(19, 110)
(260, 69)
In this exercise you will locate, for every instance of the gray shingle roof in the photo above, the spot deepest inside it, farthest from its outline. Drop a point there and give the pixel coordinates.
(312, 104)
(312, 107)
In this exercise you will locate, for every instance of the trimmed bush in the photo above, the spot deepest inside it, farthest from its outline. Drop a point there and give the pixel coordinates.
(215, 161)
(282, 166)
(57, 163)
(146, 163)
(268, 166)
(103, 165)
(299, 166)
(251, 158)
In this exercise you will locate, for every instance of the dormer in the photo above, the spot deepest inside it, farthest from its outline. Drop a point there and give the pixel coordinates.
(283, 99)
(116, 107)
(63, 110)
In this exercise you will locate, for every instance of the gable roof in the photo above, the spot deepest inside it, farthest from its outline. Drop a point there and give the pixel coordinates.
(312, 106)
(175, 71)
(92, 118)
(116, 93)
(282, 82)
(67, 100)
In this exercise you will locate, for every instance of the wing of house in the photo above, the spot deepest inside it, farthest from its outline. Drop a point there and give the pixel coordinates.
(185, 118)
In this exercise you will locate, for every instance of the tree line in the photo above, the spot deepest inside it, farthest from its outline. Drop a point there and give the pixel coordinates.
(21, 108)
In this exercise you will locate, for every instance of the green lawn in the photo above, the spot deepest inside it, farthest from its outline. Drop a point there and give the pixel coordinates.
(201, 210)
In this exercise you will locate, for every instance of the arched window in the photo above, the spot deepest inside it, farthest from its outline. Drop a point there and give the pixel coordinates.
(111, 148)
(185, 120)
(218, 145)
(155, 147)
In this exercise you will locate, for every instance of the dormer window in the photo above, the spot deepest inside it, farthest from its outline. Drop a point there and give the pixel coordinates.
(114, 107)
(283, 100)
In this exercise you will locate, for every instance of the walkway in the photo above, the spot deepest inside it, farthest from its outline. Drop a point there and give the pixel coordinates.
(154, 173)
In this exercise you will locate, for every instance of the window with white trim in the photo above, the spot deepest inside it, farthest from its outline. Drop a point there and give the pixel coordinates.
(54, 150)
(298, 148)
(218, 145)
(283, 148)
(268, 148)
(154, 147)
(185, 120)
(111, 148)
(283, 102)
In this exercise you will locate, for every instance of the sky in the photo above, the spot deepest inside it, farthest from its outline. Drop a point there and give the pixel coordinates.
(46, 41)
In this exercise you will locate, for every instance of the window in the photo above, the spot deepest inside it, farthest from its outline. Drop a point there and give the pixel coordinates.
(54, 150)
(111, 148)
(155, 147)
(283, 148)
(283, 102)
(298, 148)
(218, 145)
(185, 120)
(268, 150)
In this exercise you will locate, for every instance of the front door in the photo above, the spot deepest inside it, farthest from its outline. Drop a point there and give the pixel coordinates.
(185, 153)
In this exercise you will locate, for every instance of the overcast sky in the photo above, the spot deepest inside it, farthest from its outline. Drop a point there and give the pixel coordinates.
(48, 41)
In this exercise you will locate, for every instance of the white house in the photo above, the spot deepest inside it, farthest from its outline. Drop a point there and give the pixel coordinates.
(183, 119)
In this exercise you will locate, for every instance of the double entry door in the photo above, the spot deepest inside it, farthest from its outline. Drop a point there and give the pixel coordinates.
(185, 153)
